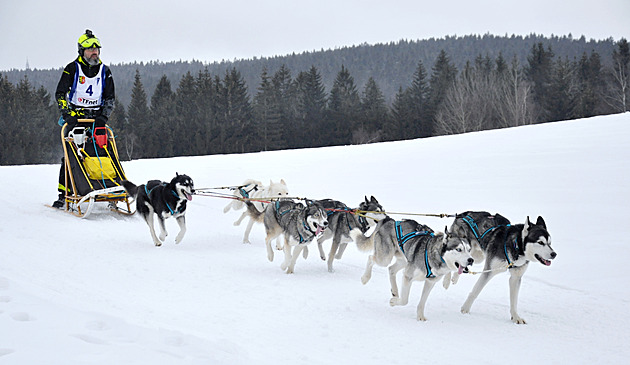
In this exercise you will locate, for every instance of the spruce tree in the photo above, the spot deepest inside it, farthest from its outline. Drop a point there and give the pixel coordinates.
(443, 74)
(135, 142)
(268, 115)
(161, 136)
(344, 106)
(374, 114)
(539, 72)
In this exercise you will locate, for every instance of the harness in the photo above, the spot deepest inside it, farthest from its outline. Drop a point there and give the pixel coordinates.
(516, 248)
(148, 192)
(245, 193)
(280, 214)
(402, 239)
(475, 229)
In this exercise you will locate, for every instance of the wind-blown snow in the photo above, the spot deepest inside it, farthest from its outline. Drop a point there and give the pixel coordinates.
(96, 291)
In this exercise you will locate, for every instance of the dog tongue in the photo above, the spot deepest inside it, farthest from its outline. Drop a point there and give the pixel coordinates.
(460, 269)
(318, 230)
(188, 196)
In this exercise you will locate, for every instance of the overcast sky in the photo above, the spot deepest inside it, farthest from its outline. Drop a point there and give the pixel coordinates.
(45, 32)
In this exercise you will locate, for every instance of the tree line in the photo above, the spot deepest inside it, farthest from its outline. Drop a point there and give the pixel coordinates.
(213, 113)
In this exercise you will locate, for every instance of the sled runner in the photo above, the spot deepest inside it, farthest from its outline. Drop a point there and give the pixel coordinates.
(93, 172)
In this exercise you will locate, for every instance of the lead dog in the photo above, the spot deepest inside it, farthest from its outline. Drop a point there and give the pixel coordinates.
(424, 256)
(512, 247)
(298, 223)
(255, 190)
(341, 220)
(164, 200)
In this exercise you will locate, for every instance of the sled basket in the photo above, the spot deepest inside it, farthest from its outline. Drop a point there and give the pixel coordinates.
(99, 167)
(93, 172)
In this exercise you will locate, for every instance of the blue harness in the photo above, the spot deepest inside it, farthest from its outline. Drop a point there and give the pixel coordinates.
(302, 240)
(402, 239)
(165, 202)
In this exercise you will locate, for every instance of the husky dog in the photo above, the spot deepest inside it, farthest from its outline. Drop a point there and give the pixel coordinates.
(424, 256)
(512, 247)
(298, 223)
(341, 220)
(164, 200)
(252, 189)
(474, 226)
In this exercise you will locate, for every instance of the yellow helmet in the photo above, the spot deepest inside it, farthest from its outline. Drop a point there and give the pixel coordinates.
(88, 40)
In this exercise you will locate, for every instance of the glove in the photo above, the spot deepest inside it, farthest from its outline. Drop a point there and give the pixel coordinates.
(100, 121)
(70, 120)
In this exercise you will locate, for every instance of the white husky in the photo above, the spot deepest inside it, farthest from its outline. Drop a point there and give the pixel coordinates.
(255, 207)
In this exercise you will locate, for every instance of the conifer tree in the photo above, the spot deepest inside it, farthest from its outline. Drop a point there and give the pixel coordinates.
(443, 74)
(344, 106)
(311, 101)
(590, 88)
(205, 100)
(562, 93)
(135, 143)
(267, 114)
(539, 72)
(420, 122)
(374, 114)
(162, 113)
(185, 123)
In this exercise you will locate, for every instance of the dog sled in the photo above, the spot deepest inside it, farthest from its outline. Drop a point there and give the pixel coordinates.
(93, 172)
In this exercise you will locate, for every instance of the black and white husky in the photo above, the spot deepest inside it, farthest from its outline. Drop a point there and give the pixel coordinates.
(341, 220)
(423, 254)
(298, 223)
(510, 247)
(164, 200)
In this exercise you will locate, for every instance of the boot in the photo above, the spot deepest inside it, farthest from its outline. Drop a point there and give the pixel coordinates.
(60, 203)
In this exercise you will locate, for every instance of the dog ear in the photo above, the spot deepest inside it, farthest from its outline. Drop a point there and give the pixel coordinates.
(282, 182)
(373, 200)
(526, 228)
(366, 199)
(541, 222)
(176, 173)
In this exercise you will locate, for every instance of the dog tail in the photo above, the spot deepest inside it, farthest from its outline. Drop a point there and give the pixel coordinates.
(130, 187)
(363, 243)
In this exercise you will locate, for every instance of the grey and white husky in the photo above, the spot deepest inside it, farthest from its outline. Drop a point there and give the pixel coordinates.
(254, 192)
(341, 220)
(474, 226)
(298, 223)
(511, 247)
(423, 254)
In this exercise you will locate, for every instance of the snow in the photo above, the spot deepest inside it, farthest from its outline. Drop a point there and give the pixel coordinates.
(96, 291)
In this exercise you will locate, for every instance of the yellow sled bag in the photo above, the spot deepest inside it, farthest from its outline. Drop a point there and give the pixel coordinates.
(99, 167)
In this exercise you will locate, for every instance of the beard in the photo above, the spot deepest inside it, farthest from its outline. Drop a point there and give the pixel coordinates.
(92, 61)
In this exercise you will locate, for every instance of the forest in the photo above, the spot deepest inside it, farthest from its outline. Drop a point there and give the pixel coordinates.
(353, 95)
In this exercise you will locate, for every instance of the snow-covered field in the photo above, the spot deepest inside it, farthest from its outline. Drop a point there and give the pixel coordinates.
(96, 291)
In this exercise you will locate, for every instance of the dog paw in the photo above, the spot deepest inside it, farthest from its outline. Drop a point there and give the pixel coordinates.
(465, 310)
(364, 279)
(162, 236)
(158, 243)
(394, 301)
(518, 320)
(270, 256)
(421, 318)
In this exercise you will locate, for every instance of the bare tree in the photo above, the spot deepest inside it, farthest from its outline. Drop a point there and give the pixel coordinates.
(514, 104)
(617, 96)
